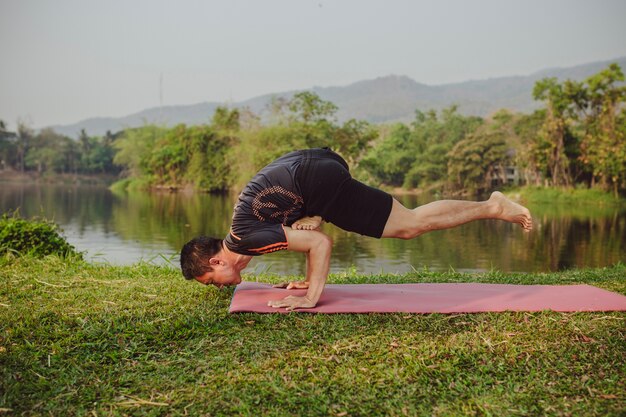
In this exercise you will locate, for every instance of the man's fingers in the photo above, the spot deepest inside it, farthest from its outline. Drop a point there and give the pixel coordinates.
(285, 302)
(291, 303)
(277, 303)
(298, 286)
(291, 285)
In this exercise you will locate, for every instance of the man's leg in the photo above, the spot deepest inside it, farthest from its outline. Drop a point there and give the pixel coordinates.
(404, 223)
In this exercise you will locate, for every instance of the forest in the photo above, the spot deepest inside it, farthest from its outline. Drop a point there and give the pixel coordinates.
(576, 139)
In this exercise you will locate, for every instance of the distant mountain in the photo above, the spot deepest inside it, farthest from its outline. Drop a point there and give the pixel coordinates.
(171, 115)
(384, 99)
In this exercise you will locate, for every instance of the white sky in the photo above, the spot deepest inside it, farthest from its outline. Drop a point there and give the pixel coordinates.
(65, 60)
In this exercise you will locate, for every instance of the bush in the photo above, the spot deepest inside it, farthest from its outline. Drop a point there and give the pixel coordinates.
(36, 237)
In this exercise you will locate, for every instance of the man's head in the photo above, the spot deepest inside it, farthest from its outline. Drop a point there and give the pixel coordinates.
(205, 260)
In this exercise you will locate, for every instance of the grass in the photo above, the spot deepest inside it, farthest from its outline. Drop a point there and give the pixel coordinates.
(92, 339)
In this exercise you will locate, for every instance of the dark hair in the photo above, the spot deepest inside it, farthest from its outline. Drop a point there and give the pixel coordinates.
(195, 255)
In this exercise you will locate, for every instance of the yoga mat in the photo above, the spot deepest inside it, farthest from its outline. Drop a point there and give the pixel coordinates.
(433, 298)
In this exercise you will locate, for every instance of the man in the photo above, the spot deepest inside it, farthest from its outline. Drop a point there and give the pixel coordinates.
(283, 206)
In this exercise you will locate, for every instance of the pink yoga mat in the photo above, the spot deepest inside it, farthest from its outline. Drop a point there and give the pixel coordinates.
(434, 298)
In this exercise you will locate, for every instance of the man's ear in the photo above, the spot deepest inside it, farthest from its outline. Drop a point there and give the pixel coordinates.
(215, 261)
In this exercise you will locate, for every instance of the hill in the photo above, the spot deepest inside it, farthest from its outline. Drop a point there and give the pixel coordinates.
(384, 99)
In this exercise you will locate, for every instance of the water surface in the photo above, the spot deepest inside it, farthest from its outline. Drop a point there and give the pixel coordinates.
(126, 228)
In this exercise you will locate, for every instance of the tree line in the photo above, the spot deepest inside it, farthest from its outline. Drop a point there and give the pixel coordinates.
(49, 152)
(576, 139)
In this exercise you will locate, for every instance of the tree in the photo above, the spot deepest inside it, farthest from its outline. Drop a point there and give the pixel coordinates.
(134, 148)
(432, 139)
(277, 109)
(206, 150)
(309, 108)
(389, 161)
(167, 159)
(25, 137)
(351, 139)
(603, 147)
(551, 139)
(531, 161)
(8, 148)
(47, 152)
(417, 156)
(225, 119)
(477, 159)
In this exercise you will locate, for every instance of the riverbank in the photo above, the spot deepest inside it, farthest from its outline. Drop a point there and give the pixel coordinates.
(29, 177)
(144, 185)
(551, 195)
(527, 194)
(81, 338)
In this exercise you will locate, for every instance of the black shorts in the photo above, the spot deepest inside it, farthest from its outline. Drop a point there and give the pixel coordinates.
(329, 191)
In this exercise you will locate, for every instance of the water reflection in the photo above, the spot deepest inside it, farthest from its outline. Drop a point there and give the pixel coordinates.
(122, 229)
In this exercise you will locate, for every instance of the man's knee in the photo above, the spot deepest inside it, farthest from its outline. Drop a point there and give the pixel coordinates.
(325, 241)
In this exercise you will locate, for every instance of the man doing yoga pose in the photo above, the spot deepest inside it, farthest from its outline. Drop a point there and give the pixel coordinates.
(283, 206)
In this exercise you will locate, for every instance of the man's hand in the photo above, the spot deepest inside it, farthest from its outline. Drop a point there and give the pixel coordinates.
(292, 302)
(318, 248)
(294, 285)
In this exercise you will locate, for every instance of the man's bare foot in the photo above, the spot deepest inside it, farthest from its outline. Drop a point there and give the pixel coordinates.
(307, 223)
(510, 211)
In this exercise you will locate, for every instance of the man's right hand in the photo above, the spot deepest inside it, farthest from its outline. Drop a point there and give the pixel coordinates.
(294, 285)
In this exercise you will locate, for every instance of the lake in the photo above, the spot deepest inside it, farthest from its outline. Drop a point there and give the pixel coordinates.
(123, 229)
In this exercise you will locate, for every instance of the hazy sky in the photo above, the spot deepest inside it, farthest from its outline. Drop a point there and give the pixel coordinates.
(65, 60)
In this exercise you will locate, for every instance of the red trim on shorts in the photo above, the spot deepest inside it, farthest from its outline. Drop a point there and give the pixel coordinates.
(234, 235)
(271, 248)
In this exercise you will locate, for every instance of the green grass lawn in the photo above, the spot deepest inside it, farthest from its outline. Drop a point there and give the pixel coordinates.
(86, 339)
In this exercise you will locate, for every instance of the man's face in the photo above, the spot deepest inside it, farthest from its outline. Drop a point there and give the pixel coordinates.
(221, 275)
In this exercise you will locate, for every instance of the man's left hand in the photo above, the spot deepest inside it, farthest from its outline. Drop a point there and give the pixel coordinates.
(291, 302)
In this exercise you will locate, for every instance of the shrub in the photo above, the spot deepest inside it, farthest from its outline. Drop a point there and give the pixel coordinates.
(37, 237)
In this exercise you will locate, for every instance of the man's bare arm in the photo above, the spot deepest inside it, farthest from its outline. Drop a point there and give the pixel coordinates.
(318, 248)
(305, 223)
